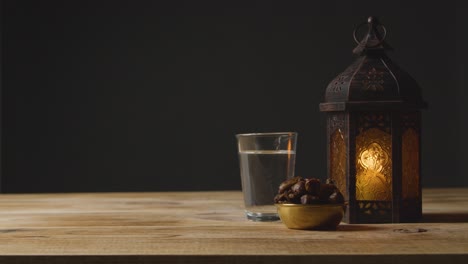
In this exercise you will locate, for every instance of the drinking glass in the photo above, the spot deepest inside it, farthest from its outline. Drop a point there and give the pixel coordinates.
(266, 160)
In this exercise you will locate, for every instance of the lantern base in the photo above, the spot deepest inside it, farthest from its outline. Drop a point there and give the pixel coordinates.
(381, 212)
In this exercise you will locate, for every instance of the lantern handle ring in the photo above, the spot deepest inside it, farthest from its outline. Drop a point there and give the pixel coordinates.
(370, 29)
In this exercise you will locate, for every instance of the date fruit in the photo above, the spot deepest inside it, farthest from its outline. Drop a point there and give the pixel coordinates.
(299, 190)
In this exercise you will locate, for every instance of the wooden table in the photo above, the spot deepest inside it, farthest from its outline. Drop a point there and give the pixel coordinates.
(210, 227)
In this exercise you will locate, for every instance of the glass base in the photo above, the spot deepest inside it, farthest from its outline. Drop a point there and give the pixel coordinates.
(262, 217)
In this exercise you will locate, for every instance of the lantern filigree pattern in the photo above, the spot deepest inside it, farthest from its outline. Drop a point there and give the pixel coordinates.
(374, 81)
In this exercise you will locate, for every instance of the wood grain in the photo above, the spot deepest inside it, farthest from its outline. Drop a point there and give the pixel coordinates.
(210, 227)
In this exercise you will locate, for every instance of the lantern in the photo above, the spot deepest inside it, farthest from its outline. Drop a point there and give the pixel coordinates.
(374, 134)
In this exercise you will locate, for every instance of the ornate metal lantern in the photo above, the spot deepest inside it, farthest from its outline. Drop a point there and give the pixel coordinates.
(374, 134)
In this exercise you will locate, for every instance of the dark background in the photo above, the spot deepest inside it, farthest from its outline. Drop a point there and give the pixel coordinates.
(148, 95)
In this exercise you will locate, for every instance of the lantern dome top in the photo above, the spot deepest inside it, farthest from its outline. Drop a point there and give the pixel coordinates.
(372, 81)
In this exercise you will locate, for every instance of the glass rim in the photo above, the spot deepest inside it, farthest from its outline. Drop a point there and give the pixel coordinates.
(266, 134)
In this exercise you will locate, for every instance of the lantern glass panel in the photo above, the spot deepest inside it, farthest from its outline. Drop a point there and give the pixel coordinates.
(410, 164)
(338, 160)
(374, 159)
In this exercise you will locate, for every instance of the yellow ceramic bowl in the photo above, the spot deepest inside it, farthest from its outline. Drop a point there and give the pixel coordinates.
(311, 216)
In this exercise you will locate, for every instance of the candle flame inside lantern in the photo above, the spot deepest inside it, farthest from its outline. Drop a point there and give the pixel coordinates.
(373, 158)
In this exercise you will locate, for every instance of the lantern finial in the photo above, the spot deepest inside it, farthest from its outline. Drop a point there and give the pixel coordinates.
(374, 40)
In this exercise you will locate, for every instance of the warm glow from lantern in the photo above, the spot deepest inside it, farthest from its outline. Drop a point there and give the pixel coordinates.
(373, 164)
(290, 155)
(373, 158)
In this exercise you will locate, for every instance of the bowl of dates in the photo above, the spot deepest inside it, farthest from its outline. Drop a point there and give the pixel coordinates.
(309, 204)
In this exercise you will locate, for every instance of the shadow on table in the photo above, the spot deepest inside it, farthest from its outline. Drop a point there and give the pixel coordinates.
(445, 218)
(357, 227)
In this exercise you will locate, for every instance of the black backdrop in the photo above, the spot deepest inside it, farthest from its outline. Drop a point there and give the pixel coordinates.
(148, 95)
